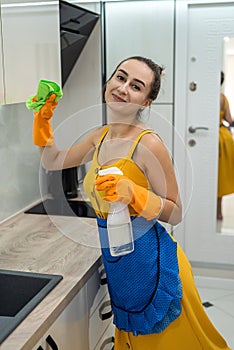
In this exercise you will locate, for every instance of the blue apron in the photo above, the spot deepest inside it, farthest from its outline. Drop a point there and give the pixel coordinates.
(144, 286)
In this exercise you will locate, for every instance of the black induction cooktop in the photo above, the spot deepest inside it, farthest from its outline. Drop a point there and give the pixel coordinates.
(63, 207)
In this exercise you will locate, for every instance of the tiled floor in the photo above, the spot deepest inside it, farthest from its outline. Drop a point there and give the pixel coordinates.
(221, 313)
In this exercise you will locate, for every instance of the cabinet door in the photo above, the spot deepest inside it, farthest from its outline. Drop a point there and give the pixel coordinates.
(91, 6)
(161, 120)
(107, 340)
(70, 330)
(140, 25)
(100, 313)
(31, 46)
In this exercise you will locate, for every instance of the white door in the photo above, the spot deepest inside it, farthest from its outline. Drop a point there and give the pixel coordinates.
(208, 24)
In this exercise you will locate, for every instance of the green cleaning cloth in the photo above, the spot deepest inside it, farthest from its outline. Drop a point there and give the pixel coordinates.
(45, 89)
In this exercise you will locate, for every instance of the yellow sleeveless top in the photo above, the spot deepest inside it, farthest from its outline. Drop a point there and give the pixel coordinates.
(126, 165)
(222, 112)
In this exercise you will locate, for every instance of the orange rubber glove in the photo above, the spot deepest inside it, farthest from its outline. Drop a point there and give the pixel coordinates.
(42, 130)
(120, 188)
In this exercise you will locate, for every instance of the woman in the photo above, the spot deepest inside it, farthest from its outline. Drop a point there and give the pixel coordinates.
(154, 299)
(226, 153)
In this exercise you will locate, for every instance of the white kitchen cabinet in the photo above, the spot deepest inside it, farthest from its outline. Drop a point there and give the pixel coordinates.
(85, 320)
(70, 330)
(139, 25)
(161, 120)
(91, 6)
(142, 23)
(30, 47)
(100, 315)
(107, 340)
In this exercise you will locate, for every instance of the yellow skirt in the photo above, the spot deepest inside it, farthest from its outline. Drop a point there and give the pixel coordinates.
(226, 162)
(192, 330)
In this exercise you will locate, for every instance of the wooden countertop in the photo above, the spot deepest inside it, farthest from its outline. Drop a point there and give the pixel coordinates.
(67, 246)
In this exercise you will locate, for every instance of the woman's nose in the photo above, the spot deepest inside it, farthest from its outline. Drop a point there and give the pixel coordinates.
(123, 87)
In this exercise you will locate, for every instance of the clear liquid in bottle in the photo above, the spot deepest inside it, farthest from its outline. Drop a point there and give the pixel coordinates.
(120, 238)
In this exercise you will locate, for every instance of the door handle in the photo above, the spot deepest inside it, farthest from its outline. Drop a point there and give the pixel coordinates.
(192, 130)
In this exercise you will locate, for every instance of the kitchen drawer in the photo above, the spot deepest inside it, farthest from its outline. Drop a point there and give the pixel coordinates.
(99, 321)
(97, 289)
(107, 340)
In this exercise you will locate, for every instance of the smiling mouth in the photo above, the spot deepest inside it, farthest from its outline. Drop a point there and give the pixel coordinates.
(117, 98)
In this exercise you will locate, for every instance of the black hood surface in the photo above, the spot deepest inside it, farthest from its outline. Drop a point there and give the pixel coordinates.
(76, 25)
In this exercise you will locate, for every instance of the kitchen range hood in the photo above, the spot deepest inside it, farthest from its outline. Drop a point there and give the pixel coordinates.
(76, 25)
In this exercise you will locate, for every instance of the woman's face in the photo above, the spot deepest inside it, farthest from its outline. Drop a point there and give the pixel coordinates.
(130, 84)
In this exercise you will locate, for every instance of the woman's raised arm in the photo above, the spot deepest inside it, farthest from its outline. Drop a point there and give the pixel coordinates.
(52, 157)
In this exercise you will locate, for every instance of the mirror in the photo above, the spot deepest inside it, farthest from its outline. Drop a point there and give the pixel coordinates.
(225, 204)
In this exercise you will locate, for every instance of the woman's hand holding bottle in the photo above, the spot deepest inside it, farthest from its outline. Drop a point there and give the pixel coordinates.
(121, 188)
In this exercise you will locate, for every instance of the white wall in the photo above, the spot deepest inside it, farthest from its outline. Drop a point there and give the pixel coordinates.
(19, 160)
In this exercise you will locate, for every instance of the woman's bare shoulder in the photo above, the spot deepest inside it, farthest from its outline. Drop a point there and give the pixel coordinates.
(151, 147)
(96, 134)
(152, 140)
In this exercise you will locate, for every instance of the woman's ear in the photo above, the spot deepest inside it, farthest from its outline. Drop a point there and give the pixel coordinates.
(147, 103)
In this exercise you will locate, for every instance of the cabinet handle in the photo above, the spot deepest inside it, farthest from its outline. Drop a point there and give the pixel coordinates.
(103, 279)
(105, 315)
(107, 341)
(51, 343)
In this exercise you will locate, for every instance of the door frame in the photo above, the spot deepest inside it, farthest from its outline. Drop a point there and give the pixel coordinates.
(180, 102)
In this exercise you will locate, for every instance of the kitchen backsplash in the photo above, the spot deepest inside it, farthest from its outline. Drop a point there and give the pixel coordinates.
(19, 159)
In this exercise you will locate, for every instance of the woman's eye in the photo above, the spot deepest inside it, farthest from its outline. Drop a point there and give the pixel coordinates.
(136, 87)
(119, 77)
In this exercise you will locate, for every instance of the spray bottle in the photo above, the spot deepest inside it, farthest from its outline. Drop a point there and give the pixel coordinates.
(119, 225)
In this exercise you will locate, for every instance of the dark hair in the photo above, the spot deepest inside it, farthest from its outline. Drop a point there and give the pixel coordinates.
(221, 77)
(156, 69)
